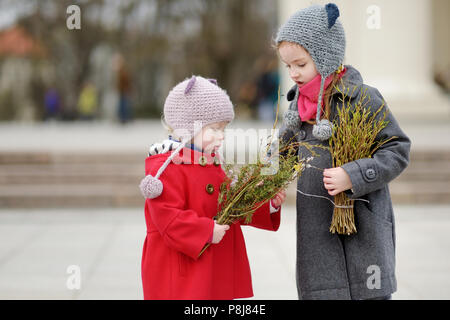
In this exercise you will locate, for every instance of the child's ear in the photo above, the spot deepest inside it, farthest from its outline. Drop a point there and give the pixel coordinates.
(333, 13)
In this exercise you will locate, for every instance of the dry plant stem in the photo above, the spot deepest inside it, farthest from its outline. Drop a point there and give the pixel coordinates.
(244, 194)
(204, 248)
(225, 219)
(354, 137)
(276, 119)
(343, 221)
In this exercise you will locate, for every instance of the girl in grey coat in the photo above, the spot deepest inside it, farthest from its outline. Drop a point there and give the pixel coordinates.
(329, 266)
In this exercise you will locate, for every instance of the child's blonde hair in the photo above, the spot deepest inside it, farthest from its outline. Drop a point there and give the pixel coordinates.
(169, 129)
(165, 125)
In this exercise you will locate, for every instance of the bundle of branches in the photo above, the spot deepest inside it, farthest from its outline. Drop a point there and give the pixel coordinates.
(247, 188)
(354, 137)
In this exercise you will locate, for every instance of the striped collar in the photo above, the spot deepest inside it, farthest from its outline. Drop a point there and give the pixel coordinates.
(192, 146)
(169, 145)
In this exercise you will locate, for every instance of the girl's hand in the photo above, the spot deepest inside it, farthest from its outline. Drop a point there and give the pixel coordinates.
(219, 232)
(279, 198)
(336, 180)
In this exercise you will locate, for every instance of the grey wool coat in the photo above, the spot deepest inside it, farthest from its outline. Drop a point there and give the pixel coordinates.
(362, 265)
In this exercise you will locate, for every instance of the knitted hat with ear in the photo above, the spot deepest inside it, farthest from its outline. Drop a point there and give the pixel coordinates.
(190, 105)
(196, 102)
(317, 29)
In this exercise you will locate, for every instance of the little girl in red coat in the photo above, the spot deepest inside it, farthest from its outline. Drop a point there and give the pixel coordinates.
(182, 187)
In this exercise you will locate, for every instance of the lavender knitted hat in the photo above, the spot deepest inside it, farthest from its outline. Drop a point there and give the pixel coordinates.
(195, 103)
(190, 105)
(317, 29)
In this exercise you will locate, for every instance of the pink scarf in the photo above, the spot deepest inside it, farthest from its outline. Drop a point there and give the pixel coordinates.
(308, 95)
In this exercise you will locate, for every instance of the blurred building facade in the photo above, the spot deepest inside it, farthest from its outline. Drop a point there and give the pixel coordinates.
(161, 42)
(401, 47)
(20, 68)
(85, 165)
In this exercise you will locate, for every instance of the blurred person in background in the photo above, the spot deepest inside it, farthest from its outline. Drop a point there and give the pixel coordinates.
(52, 103)
(267, 93)
(87, 102)
(124, 89)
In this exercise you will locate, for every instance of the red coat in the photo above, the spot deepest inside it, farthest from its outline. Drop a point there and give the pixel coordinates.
(179, 224)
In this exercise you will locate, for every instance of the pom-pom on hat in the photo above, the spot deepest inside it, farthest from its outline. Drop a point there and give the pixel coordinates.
(318, 30)
(190, 105)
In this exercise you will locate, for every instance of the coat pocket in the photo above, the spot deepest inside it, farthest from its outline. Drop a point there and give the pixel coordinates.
(366, 210)
(371, 247)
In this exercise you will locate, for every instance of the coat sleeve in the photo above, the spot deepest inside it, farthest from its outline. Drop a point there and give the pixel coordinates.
(370, 174)
(181, 228)
(263, 219)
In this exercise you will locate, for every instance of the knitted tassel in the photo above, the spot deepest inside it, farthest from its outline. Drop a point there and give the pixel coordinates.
(323, 129)
(151, 187)
(292, 119)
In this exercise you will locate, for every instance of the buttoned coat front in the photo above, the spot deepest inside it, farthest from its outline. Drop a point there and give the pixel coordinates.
(362, 265)
(180, 223)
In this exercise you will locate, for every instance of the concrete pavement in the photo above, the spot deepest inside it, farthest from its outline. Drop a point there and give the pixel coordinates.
(38, 246)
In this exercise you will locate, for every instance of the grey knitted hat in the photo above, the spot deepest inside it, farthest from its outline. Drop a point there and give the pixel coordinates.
(317, 29)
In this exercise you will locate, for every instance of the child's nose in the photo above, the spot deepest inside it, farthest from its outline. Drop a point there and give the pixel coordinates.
(220, 135)
(294, 73)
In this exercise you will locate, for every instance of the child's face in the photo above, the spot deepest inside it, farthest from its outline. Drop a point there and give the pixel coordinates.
(301, 66)
(211, 137)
